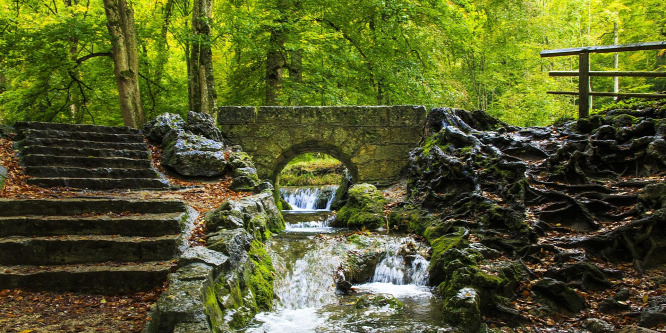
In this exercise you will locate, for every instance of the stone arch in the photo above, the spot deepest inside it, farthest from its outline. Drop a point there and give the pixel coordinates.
(373, 142)
(313, 147)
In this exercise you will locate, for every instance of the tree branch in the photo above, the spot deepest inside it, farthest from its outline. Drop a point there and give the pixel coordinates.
(93, 55)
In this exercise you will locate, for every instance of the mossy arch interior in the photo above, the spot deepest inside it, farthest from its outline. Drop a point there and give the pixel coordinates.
(373, 142)
(313, 147)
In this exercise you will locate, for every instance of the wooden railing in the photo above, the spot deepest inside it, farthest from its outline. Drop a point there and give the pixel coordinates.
(584, 94)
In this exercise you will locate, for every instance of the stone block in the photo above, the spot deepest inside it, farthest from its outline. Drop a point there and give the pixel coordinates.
(236, 114)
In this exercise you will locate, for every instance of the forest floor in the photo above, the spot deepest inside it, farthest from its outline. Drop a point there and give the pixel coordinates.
(44, 311)
(40, 311)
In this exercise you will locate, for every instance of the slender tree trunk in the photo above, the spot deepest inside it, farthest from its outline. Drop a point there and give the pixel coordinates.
(274, 65)
(203, 97)
(296, 75)
(275, 58)
(120, 22)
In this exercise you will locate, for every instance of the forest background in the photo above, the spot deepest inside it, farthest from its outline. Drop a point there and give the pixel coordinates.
(56, 59)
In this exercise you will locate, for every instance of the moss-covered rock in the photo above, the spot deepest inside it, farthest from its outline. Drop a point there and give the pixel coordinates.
(364, 208)
(256, 214)
(463, 310)
(378, 301)
(409, 218)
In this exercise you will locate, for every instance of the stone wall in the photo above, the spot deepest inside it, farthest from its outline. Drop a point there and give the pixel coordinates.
(373, 142)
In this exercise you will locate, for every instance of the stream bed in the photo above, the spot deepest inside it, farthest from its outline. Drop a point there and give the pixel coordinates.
(309, 257)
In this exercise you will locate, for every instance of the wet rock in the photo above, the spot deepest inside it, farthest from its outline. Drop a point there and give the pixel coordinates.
(584, 275)
(654, 314)
(340, 197)
(182, 302)
(654, 196)
(193, 155)
(159, 127)
(244, 173)
(200, 254)
(256, 214)
(378, 301)
(595, 325)
(463, 310)
(344, 287)
(233, 243)
(203, 124)
(244, 180)
(364, 208)
(558, 292)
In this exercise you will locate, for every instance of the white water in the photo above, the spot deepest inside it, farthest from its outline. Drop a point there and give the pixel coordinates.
(309, 198)
(321, 226)
(394, 270)
(306, 298)
(306, 266)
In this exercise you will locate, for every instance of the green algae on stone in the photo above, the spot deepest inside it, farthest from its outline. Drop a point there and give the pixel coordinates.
(364, 208)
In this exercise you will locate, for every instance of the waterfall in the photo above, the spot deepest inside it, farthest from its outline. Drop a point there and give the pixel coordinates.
(308, 281)
(400, 268)
(309, 198)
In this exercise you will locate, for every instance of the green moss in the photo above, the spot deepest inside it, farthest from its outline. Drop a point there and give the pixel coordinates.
(409, 218)
(364, 208)
(261, 279)
(437, 229)
(366, 301)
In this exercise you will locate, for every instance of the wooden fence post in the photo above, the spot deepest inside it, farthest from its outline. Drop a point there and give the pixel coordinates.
(583, 85)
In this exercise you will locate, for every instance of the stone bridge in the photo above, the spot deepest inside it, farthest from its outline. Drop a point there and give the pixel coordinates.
(373, 142)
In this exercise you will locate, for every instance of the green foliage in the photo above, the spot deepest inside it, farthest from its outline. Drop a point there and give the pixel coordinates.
(54, 63)
(312, 169)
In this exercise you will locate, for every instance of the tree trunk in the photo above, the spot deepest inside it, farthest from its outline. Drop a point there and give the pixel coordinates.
(274, 65)
(120, 22)
(200, 69)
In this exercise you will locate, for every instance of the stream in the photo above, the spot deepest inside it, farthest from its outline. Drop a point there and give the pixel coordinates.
(309, 256)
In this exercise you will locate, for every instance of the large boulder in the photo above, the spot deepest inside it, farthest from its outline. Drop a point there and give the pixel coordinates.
(561, 296)
(203, 124)
(256, 214)
(244, 173)
(159, 127)
(364, 208)
(193, 155)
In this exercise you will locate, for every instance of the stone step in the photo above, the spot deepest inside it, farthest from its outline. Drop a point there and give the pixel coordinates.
(84, 152)
(148, 225)
(74, 206)
(75, 127)
(53, 142)
(101, 183)
(58, 172)
(76, 249)
(87, 136)
(86, 162)
(106, 279)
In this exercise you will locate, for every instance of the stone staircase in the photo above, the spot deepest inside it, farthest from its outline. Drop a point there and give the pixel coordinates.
(96, 245)
(86, 157)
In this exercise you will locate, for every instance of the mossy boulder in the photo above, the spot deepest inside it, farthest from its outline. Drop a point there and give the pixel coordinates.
(463, 310)
(256, 214)
(449, 248)
(557, 293)
(193, 155)
(364, 208)
(409, 218)
(378, 301)
(654, 196)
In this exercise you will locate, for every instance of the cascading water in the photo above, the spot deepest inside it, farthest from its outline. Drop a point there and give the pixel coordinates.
(400, 269)
(307, 264)
(309, 198)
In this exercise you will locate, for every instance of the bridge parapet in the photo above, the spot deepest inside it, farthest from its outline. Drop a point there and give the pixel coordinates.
(373, 142)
